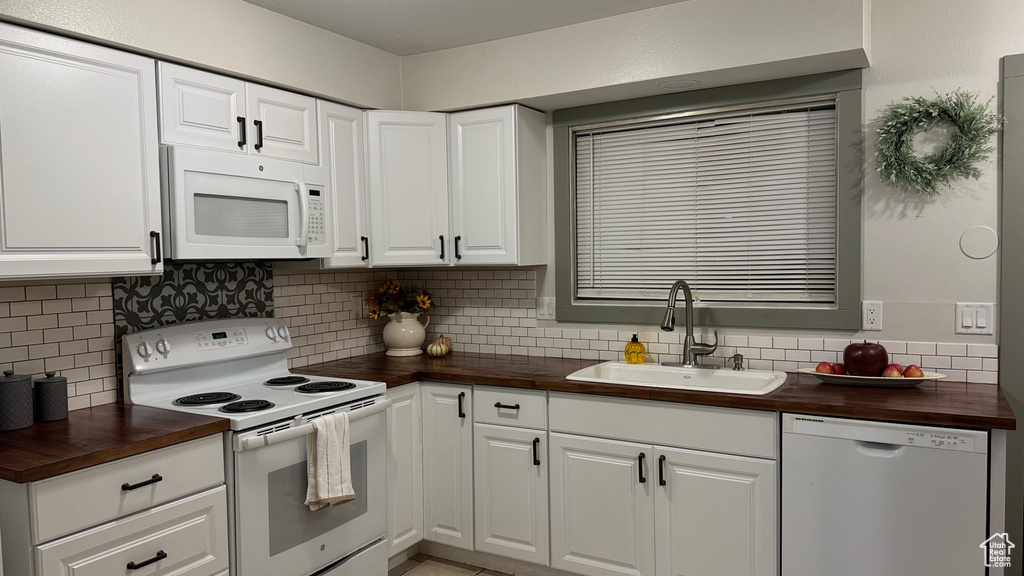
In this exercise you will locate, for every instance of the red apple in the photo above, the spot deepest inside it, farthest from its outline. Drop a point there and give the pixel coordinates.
(913, 371)
(865, 359)
(892, 371)
(838, 368)
(824, 368)
(898, 367)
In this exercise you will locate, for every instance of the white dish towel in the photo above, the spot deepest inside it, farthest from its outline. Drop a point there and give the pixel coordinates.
(327, 458)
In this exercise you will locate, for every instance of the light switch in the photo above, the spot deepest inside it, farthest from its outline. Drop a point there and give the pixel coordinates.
(967, 318)
(974, 318)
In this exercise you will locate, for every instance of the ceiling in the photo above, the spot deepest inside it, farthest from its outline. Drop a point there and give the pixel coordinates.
(405, 27)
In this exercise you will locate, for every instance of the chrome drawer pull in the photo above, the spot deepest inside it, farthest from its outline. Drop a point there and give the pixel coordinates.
(160, 555)
(129, 487)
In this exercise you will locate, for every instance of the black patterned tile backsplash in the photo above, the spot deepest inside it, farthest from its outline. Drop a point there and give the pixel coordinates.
(189, 292)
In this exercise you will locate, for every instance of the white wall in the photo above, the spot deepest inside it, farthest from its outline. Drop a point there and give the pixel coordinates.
(912, 259)
(715, 41)
(230, 36)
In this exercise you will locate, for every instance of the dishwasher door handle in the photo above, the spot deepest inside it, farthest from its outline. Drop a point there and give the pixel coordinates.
(878, 449)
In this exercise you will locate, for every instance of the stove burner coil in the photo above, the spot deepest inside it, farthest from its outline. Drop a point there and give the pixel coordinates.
(287, 381)
(246, 406)
(207, 398)
(316, 387)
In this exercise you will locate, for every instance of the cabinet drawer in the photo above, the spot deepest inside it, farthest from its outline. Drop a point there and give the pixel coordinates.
(190, 538)
(532, 412)
(70, 502)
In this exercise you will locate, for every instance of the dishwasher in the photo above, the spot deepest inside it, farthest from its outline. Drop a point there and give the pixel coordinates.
(864, 498)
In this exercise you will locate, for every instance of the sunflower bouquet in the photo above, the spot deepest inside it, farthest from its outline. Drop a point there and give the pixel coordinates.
(391, 297)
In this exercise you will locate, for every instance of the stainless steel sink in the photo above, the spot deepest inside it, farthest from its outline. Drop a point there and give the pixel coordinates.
(756, 382)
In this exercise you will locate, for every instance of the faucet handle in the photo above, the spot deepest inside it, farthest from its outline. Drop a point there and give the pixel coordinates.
(705, 349)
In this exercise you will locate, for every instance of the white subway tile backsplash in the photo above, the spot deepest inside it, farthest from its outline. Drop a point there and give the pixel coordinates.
(983, 350)
(946, 349)
(923, 348)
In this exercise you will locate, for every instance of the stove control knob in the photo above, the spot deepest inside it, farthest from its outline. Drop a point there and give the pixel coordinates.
(144, 350)
(163, 346)
(271, 333)
(282, 331)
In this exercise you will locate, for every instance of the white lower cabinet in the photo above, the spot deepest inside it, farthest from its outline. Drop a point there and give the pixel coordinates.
(405, 468)
(448, 464)
(511, 487)
(184, 538)
(714, 514)
(626, 508)
(602, 514)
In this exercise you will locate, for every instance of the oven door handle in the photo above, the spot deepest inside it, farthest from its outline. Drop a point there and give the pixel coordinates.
(298, 431)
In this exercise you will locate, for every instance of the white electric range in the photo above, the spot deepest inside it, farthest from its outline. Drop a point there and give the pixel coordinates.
(238, 369)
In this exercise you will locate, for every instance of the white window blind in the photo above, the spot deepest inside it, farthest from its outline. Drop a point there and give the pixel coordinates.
(741, 205)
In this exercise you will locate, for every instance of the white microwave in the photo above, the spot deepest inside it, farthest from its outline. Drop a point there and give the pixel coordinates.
(223, 206)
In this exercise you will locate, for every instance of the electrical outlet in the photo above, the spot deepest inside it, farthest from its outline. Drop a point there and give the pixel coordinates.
(871, 315)
(545, 309)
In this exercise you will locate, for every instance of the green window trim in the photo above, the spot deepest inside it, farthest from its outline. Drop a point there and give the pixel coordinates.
(850, 174)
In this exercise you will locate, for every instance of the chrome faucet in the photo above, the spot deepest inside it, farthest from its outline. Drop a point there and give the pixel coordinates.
(691, 348)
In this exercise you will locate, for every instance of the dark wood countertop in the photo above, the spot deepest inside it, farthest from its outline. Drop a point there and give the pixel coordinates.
(94, 436)
(937, 403)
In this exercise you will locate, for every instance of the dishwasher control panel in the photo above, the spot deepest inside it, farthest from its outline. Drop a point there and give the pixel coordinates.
(889, 433)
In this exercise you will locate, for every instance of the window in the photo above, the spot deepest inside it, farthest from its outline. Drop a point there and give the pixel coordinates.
(743, 200)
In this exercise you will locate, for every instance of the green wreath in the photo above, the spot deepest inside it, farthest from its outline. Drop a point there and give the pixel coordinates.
(968, 145)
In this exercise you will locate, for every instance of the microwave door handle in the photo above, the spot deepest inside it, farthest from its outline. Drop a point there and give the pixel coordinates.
(303, 191)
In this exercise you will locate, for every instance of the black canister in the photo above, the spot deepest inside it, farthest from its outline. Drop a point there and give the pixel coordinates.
(15, 401)
(51, 398)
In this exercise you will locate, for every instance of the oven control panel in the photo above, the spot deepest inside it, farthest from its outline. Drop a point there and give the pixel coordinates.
(190, 343)
(220, 339)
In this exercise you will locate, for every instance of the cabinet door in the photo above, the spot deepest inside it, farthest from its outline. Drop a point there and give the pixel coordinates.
(281, 124)
(511, 489)
(341, 129)
(716, 514)
(405, 469)
(79, 169)
(448, 464)
(408, 182)
(602, 515)
(484, 200)
(201, 109)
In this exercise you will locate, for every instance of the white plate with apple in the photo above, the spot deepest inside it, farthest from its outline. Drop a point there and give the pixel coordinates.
(875, 381)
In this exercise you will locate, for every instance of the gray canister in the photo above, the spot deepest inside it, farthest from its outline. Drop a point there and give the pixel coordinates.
(51, 398)
(15, 401)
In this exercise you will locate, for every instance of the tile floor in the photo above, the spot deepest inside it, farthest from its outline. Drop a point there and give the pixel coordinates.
(423, 565)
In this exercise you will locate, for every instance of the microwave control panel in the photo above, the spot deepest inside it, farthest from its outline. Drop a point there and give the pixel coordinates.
(317, 218)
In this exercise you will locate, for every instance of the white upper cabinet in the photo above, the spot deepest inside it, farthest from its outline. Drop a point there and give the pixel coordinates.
(408, 186)
(79, 168)
(284, 124)
(498, 186)
(202, 109)
(341, 129)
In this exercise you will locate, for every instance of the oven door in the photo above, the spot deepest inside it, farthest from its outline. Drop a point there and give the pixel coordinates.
(275, 533)
(221, 205)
